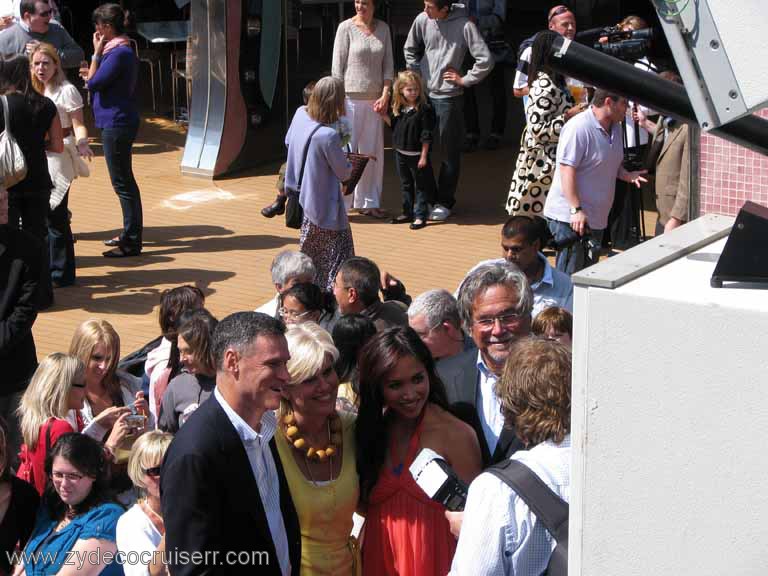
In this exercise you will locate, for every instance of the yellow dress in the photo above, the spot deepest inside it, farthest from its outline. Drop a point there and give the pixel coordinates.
(325, 510)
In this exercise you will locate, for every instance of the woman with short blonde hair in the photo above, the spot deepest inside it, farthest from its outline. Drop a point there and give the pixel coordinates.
(316, 448)
(141, 529)
(316, 177)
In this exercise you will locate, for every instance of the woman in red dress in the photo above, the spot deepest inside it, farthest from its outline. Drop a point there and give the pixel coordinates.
(403, 409)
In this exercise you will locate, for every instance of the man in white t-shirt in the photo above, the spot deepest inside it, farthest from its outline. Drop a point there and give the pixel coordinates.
(561, 20)
(590, 153)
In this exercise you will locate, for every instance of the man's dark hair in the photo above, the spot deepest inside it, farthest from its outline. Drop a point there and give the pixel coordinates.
(440, 4)
(601, 94)
(363, 275)
(28, 7)
(240, 330)
(110, 14)
(531, 228)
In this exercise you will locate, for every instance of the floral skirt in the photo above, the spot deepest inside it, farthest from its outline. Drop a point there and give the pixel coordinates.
(328, 250)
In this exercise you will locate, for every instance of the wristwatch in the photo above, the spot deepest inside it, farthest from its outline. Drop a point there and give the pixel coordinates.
(575, 210)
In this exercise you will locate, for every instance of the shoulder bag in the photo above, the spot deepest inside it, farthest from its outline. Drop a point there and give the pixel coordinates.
(13, 166)
(294, 213)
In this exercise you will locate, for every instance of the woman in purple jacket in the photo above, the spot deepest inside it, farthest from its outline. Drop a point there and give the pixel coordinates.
(111, 79)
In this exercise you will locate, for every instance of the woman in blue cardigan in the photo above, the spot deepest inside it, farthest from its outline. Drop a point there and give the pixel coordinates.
(111, 79)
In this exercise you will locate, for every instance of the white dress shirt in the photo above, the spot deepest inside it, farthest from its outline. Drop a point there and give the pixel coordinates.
(488, 406)
(137, 534)
(500, 536)
(256, 445)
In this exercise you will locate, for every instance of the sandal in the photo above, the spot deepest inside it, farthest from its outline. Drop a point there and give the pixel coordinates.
(113, 241)
(402, 219)
(121, 252)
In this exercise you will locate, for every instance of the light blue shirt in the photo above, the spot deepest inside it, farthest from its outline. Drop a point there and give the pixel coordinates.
(325, 169)
(500, 536)
(554, 289)
(256, 445)
(489, 409)
(596, 154)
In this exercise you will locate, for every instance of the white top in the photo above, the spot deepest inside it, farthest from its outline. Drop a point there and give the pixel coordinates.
(270, 307)
(256, 445)
(67, 100)
(488, 406)
(136, 533)
(499, 534)
(521, 78)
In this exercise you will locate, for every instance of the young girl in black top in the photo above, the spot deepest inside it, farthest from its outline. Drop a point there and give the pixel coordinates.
(412, 121)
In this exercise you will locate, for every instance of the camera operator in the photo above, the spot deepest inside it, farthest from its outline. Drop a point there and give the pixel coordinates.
(629, 40)
(560, 19)
(589, 160)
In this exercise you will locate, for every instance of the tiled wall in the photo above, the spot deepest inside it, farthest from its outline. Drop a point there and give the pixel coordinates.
(730, 175)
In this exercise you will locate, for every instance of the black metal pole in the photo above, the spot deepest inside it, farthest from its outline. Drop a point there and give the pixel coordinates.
(669, 98)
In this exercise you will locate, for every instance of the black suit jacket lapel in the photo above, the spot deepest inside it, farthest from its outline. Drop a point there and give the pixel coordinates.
(507, 445)
(237, 467)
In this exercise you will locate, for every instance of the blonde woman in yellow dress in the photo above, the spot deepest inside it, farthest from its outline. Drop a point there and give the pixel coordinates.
(316, 447)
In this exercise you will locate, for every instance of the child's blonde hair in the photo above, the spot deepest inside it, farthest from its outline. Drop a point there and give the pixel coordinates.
(403, 79)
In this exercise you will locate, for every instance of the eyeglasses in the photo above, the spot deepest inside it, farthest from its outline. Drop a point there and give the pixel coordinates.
(507, 319)
(71, 476)
(154, 472)
(45, 13)
(557, 11)
(78, 384)
(285, 313)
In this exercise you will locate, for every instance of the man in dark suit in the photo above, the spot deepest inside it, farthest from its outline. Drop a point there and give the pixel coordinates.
(495, 303)
(20, 255)
(225, 498)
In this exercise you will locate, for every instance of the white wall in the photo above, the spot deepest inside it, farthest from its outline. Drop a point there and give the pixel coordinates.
(670, 426)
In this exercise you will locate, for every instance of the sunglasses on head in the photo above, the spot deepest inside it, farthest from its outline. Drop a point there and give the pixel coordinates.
(557, 11)
(153, 472)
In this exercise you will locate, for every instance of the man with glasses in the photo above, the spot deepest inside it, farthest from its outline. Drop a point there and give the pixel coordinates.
(561, 20)
(34, 27)
(434, 315)
(495, 303)
(356, 289)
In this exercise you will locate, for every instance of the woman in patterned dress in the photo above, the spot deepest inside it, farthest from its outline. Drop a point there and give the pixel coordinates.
(550, 106)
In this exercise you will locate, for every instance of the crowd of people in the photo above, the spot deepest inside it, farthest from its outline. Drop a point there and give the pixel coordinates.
(283, 438)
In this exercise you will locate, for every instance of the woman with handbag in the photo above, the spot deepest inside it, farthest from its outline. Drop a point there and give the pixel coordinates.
(48, 78)
(362, 59)
(37, 129)
(316, 167)
(56, 392)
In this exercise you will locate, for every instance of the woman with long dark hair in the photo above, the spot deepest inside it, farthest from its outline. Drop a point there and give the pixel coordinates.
(550, 105)
(404, 409)
(77, 515)
(111, 79)
(36, 127)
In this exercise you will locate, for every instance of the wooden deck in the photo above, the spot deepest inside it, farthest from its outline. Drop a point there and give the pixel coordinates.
(210, 233)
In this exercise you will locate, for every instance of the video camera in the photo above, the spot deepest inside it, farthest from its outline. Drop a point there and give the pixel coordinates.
(627, 45)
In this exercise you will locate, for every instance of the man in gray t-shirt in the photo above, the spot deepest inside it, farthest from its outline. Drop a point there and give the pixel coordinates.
(589, 160)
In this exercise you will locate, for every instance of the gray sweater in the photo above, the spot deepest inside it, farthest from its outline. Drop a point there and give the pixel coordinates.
(14, 40)
(363, 61)
(435, 45)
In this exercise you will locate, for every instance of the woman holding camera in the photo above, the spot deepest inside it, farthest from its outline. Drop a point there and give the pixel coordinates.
(77, 518)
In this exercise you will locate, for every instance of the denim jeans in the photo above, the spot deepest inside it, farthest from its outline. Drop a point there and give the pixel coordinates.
(450, 125)
(572, 254)
(118, 142)
(416, 184)
(61, 245)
